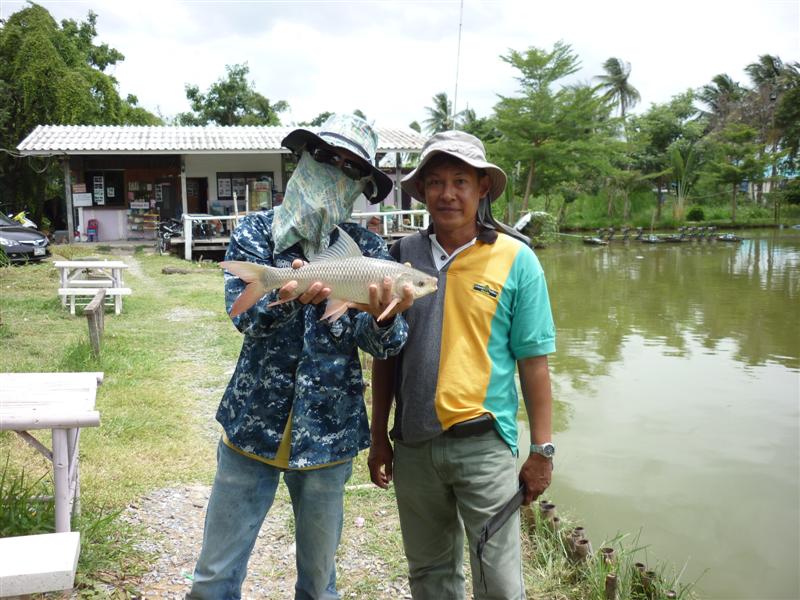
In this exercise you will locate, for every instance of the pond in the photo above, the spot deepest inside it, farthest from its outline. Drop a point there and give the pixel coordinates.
(677, 380)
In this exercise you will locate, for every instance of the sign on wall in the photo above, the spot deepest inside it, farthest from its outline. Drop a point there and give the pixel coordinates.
(98, 187)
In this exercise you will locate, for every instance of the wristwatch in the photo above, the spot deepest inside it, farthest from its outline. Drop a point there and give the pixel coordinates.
(547, 450)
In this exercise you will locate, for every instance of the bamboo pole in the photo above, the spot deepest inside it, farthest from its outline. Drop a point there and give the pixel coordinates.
(548, 512)
(583, 550)
(649, 579)
(608, 555)
(611, 587)
(637, 583)
(574, 535)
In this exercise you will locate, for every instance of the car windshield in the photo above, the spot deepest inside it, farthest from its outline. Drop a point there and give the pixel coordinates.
(5, 221)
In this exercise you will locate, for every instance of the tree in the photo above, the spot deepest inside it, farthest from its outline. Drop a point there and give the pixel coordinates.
(316, 121)
(722, 97)
(655, 131)
(232, 100)
(772, 81)
(737, 159)
(440, 117)
(51, 74)
(617, 87)
(557, 135)
(684, 160)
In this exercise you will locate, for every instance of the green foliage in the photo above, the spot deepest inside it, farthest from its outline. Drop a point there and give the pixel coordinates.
(542, 229)
(4, 260)
(791, 193)
(556, 135)
(232, 100)
(21, 515)
(616, 85)
(695, 213)
(51, 74)
(316, 121)
(440, 117)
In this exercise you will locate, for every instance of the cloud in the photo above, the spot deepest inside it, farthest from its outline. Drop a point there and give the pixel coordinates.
(388, 58)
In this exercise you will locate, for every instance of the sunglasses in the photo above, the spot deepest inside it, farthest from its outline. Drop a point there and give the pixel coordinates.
(350, 169)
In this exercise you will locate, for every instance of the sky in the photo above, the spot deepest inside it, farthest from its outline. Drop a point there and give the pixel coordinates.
(388, 58)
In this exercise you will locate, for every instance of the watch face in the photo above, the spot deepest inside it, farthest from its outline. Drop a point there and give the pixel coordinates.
(548, 450)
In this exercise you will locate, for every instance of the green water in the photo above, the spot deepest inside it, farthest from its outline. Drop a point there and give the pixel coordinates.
(678, 381)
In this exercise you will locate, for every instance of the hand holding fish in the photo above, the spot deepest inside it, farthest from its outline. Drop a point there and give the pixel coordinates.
(341, 276)
(382, 304)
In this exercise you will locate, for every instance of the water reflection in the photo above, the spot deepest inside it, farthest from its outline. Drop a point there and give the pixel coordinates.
(677, 380)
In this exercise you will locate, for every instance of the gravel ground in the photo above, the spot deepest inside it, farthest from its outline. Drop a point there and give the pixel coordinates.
(173, 520)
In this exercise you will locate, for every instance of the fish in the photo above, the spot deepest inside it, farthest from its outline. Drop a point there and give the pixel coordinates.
(342, 268)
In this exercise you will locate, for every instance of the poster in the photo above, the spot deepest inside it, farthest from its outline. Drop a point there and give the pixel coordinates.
(98, 189)
(109, 192)
(223, 187)
(239, 184)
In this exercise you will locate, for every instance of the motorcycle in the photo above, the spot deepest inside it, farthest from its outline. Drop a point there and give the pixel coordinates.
(22, 220)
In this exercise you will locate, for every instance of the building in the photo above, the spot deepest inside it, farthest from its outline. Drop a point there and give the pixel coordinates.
(124, 179)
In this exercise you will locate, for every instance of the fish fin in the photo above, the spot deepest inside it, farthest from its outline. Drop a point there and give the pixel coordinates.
(335, 309)
(343, 247)
(392, 304)
(284, 301)
(246, 271)
(251, 294)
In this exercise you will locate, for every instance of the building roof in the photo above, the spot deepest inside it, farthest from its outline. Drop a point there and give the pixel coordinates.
(134, 139)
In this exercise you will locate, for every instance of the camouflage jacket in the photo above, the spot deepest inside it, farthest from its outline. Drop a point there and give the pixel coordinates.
(292, 362)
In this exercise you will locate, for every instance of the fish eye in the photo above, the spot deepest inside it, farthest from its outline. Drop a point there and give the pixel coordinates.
(420, 283)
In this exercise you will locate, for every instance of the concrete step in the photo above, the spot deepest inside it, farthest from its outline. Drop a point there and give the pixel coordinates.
(33, 564)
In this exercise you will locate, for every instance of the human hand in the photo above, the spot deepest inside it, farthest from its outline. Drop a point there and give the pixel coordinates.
(315, 293)
(536, 473)
(382, 305)
(379, 460)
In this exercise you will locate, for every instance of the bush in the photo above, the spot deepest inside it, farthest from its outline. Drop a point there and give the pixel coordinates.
(695, 214)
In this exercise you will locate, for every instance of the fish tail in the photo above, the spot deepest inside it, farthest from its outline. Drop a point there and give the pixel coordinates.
(253, 275)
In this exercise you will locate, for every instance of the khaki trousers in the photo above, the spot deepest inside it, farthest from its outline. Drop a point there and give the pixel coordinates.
(448, 486)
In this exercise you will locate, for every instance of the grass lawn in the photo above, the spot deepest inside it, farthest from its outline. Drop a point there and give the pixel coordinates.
(166, 359)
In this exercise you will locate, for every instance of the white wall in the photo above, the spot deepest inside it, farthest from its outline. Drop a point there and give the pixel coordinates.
(208, 165)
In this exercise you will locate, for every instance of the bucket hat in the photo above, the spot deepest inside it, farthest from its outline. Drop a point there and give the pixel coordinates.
(462, 146)
(349, 132)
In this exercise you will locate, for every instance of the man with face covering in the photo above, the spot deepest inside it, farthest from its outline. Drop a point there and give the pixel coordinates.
(294, 405)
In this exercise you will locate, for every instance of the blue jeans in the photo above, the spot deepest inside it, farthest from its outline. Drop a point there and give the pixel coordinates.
(243, 492)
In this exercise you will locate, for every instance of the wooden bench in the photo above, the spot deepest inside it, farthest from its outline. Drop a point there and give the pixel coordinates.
(35, 564)
(95, 316)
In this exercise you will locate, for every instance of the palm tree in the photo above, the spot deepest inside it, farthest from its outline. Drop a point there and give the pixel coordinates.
(722, 97)
(616, 85)
(440, 114)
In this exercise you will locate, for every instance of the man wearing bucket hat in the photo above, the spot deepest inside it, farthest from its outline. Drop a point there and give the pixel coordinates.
(455, 429)
(294, 405)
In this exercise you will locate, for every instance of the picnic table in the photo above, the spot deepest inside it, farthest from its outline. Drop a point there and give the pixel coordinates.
(63, 403)
(83, 278)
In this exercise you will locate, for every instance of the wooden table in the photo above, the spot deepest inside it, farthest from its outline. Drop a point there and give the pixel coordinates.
(82, 278)
(63, 403)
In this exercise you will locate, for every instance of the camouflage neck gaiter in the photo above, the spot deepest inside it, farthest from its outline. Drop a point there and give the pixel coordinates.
(318, 198)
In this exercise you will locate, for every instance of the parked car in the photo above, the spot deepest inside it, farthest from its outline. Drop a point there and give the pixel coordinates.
(22, 244)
